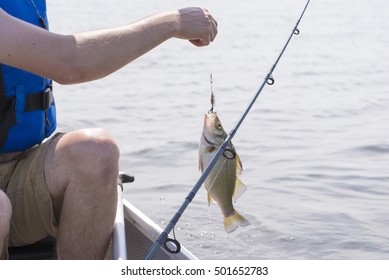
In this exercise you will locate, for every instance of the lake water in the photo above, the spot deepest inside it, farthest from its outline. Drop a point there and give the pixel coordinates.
(315, 147)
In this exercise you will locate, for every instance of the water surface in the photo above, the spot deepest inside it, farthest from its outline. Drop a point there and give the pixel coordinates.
(315, 147)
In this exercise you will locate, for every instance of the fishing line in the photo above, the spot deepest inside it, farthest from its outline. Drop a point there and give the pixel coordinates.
(268, 80)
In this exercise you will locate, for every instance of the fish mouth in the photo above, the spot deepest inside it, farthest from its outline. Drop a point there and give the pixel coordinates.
(209, 116)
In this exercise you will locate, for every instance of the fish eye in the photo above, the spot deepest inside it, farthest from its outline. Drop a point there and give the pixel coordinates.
(219, 126)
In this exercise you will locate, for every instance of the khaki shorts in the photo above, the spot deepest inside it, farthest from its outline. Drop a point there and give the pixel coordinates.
(23, 180)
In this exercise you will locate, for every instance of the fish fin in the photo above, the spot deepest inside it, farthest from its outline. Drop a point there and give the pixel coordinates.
(200, 164)
(205, 150)
(234, 221)
(210, 149)
(209, 199)
(239, 189)
(239, 166)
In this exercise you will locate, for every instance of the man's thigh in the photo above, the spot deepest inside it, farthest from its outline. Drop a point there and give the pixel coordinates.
(32, 210)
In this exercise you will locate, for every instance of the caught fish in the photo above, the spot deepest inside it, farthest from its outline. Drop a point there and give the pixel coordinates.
(223, 183)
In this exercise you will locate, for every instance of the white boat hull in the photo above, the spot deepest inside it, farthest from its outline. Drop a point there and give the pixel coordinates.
(141, 233)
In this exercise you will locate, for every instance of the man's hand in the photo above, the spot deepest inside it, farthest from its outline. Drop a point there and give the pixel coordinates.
(197, 25)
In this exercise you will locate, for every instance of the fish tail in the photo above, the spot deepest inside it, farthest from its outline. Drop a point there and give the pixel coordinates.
(234, 221)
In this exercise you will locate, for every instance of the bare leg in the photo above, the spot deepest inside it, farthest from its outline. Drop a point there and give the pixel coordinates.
(81, 171)
(5, 218)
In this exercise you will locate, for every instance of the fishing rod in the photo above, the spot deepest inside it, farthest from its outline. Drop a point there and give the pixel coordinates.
(163, 238)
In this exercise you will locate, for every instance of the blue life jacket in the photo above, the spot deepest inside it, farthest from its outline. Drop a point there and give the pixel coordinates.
(27, 107)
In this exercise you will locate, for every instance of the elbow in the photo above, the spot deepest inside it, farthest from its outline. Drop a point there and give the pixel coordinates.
(62, 61)
(78, 63)
(69, 73)
(69, 65)
(68, 79)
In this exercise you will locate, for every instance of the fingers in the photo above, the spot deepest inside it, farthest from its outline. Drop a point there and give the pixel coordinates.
(212, 27)
(213, 24)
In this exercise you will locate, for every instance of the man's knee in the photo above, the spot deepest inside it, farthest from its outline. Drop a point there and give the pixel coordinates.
(95, 153)
(93, 148)
(86, 160)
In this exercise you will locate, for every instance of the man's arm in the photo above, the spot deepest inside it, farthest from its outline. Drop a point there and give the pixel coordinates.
(92, 55)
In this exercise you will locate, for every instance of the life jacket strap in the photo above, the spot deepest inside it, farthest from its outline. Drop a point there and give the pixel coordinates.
(40, 100)
(37, 101)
